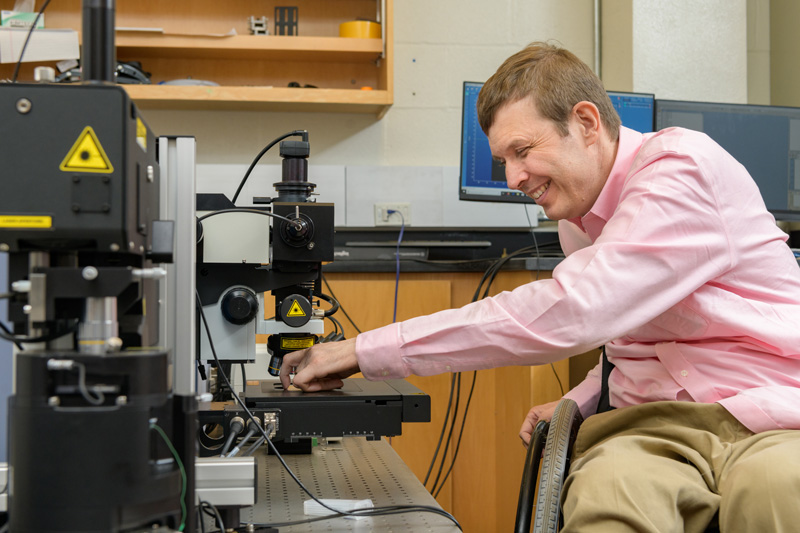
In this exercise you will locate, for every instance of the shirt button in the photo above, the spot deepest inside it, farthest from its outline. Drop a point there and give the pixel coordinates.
(385, 373)
(448, 368)
(684, 373)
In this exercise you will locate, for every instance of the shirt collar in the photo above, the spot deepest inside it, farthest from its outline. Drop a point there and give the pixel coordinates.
(630, 142)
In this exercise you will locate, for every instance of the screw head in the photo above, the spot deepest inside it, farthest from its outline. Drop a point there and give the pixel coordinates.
(4, 247)
(54, 401)
(24, 106)
(90, 273)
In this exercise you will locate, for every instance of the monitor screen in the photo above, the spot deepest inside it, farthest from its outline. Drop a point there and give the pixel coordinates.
(484, 179)
(765, 139)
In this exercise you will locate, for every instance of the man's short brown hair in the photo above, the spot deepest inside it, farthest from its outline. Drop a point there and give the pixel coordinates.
(554, 79)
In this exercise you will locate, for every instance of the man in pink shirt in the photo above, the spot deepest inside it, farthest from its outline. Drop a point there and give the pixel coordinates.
(675, 265)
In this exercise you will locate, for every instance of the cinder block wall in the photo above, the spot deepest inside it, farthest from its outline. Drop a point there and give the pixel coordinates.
(412, 154)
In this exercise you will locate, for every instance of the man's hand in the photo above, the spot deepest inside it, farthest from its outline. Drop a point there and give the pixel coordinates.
(540, 412)
(321, 367)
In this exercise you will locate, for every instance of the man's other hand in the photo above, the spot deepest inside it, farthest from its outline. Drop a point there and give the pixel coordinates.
(321, 367)
(540, 412)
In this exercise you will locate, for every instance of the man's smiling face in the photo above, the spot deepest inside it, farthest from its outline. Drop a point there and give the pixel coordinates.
(561, 173)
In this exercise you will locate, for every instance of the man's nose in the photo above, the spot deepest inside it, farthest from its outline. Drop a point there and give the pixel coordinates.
(515, 176)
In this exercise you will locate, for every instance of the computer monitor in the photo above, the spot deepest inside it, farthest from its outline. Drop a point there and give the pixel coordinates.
(484, 179)
(765, 139)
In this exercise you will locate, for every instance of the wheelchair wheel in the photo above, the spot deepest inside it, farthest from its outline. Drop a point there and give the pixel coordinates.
(555, 465)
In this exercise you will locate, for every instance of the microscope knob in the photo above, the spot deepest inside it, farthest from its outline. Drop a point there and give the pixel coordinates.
(239, 306)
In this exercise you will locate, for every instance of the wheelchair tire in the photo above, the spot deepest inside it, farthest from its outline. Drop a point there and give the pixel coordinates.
(555, 465)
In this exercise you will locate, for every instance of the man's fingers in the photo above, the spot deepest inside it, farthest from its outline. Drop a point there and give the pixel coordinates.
(290, 361)
(319, 384)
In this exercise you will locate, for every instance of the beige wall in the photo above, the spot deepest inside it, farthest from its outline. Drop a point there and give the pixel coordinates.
(758, 52)
(438, 45)
(648, 45)
(785, 60)
(714, 50)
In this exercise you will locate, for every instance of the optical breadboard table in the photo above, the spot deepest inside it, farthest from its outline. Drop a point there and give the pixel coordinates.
(350, 469)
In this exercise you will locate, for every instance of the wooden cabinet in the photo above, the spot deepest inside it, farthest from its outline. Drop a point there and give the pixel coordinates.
(482, 488)
(190, 39)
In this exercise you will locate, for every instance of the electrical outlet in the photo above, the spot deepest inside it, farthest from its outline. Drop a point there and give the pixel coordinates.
(389, 214)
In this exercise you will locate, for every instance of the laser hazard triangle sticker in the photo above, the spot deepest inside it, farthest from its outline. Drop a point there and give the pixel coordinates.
(296, 310)
(87, 155)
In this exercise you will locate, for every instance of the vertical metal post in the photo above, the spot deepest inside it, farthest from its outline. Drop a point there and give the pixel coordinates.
(98, 49)
(176, 156)
(597, 40)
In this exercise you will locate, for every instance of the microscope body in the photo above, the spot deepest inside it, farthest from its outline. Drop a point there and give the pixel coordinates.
(78, 218)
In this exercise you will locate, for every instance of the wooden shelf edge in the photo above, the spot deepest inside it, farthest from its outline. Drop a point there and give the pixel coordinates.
(260, 98)
(252, 43)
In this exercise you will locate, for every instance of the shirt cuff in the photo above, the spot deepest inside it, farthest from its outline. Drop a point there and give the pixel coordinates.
(378, 354)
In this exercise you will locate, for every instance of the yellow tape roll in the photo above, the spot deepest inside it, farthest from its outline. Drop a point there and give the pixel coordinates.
(360, 29)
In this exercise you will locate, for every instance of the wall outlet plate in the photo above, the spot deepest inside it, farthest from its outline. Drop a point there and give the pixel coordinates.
(393, 214)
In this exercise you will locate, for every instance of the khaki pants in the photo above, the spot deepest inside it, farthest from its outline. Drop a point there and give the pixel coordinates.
(671, 466)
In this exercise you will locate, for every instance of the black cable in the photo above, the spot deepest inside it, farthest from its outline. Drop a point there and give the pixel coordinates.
(460, 434)
(257, 444)
(535, 243)
(331, 300)
(538, 270)
(200, 520)
(488, 278)
(244, 378)
(444, 428)
(244, 210)
(234, 432)
(216, 515)
(42, 338)
(330, 290)
(9, 335)
(375, 511)
(450, 433)
(27, 39)
(337, 326)
(498, 266)
(301, 133)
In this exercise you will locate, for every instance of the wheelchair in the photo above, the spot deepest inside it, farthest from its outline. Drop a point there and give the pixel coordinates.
(555, 439)
(551, 444)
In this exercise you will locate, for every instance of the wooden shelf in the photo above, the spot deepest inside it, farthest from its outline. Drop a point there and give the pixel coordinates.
(254, 72)
(260, 98)
(272, 47)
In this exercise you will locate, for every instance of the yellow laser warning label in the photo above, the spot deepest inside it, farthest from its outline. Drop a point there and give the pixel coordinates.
(87, 155)
(29, 222)
(141, 134)
(297, 344)
(296, 310)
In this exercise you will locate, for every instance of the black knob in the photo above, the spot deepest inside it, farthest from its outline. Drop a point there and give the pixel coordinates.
(239, 306)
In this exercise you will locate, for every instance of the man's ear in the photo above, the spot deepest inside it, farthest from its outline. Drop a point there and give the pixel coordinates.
(587, 118)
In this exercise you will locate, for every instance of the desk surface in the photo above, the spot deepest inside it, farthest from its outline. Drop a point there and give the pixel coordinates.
(352, 469)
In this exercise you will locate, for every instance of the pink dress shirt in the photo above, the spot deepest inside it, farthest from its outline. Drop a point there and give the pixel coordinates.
(678, 269)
